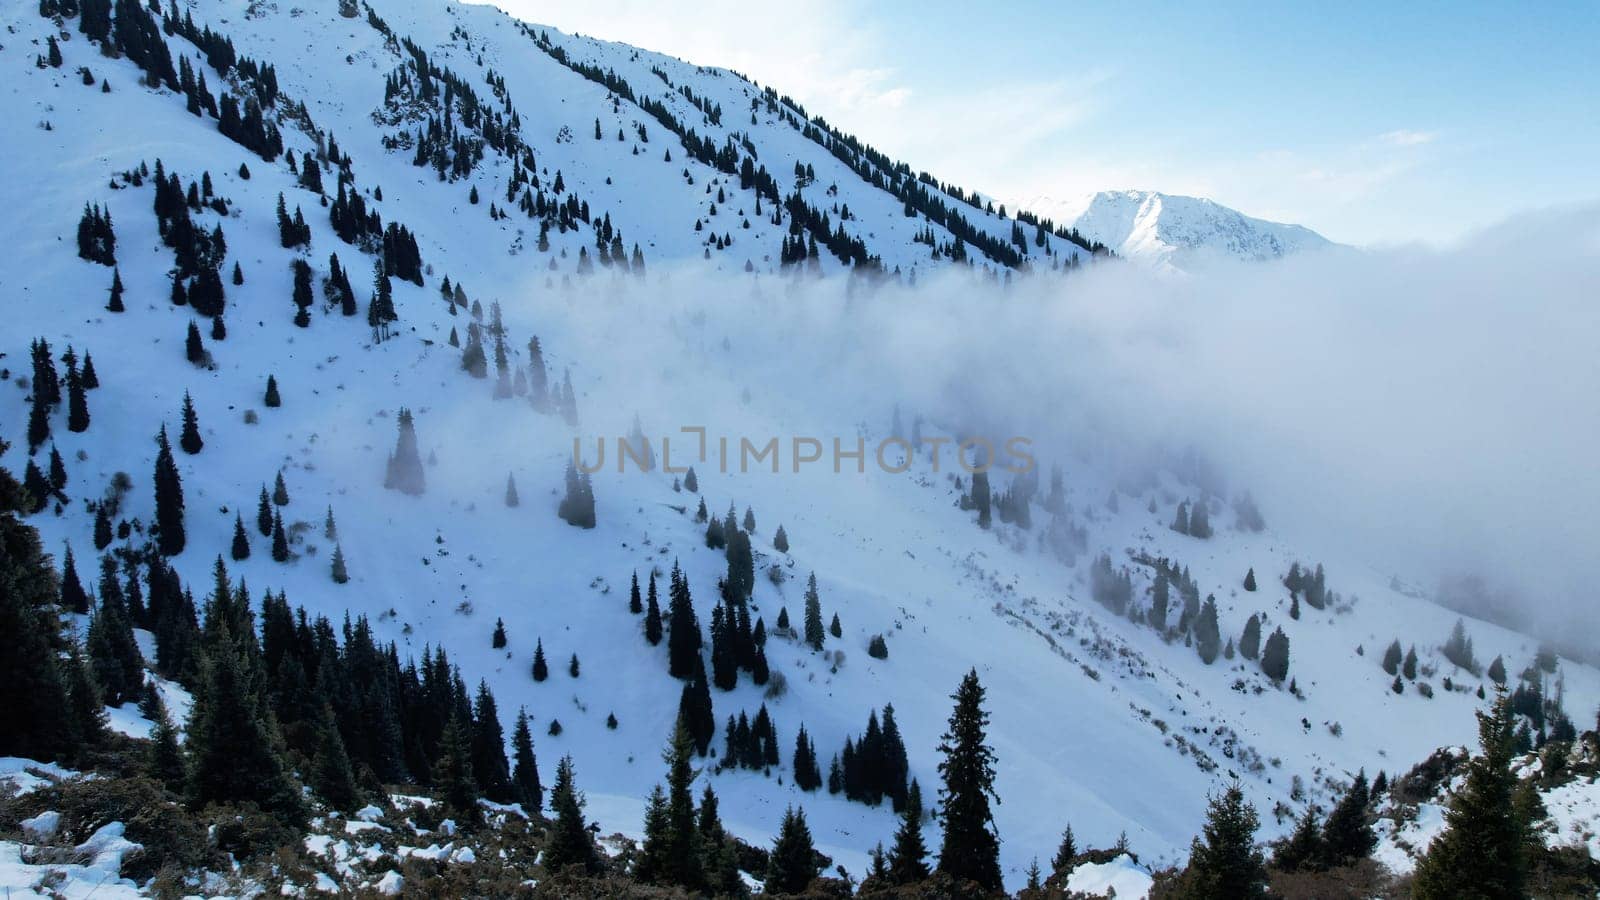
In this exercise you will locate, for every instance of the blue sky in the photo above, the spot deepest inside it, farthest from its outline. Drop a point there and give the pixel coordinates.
(1371, 123)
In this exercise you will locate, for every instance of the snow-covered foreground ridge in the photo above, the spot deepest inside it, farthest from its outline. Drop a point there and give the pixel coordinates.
(1098, 717)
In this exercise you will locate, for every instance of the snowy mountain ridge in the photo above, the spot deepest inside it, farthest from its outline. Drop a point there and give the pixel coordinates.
(597, 197)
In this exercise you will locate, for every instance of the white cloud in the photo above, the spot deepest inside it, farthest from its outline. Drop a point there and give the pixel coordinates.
(1405, 137)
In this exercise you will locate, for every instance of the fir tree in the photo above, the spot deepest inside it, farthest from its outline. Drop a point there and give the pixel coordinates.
(907, 858)
(1226, 863)
(1275, 656)
(1250, 642)
(280, 490)
(834, 628)
(73, 597)
(170, 538)
(499, 639)
(189, 437)
(1207, 636)
(453, 773)
(1066, 852)
(635, 604)
(1391, 659)
(1483, 851)
(489, 765)
(33, 688)
(114, 304)
(1302, 849)
(683, 634)
(332, 776)
(572, 666)
(568, 843)
(525, 785)
(780, 541)
(404, 471)
(264, 513)
(241, 541)
(512, 500)
(83, 705)
(339, 570)
(280, 540)
(1250, 580)
(272, 400)
(813, 618)
(541, 669)
(971, 848)
(1348, 836)
(792, 864)
(102, 528)
(77, 402)
(652, 615)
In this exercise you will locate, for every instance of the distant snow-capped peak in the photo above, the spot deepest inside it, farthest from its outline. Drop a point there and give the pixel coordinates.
(1172, 232)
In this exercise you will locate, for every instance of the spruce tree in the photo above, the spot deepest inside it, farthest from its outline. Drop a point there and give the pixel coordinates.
(652, 615)
(73, 597)
(792, 864)
(1226, 863)
(170, 538)
(453, 774)
(489, 765)
(971, 849)
(77, 403)
(90, 379)
(907, 858)
(332, 776)
(102, 528)
(83, 706)
(241, 541)
(1207, 636)
(1391, 658)
(1250, 642)
(280, 491)
(280, 540)
(512, 500)
(541, 669)
(635, 605)
(189, 437)
(1483, 851)
(567, 840)
(1348, 836)
(231, 741)
(683, 634)
(1250, 580)
(681, 853)
(525, 784)
(264, 513)
(340, 571)
(813, 618)
(193, 349)
(499, 639)
(272, 399)
(1066, 852)
(1302, 849)
(780, 541)
(114, 304)
(404, 472)
(33, 687)
(1275, 656)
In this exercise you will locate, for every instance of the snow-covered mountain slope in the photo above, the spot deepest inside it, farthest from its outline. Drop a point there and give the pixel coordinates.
(1183, 233)
(1097, 719)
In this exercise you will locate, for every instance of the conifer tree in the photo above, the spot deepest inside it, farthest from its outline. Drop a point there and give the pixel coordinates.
(91, 380)
(332, 776)
(340, 571)
(280, 539)
(189, 437)
(102, 528)
(272, 399)
(680, 854)
(73, 597)
(241, 541)
(404, 471)
(1250, 642)
(33, 687)
(652, 615)
(525, 785)
(834, 628)
(77, 402)
(907, 858)
(1483, 851)
(1225, 861)
(264, 513)
(1348, 836)
(635, 604)
(1275, 655)
(1066, 851)
(499, 639)
(568, 842)
(541, 669)
(280, 490)
(170, 538)
(83, 705)
(231, 742)
(489, 765)
(792, 864)
(572, 666)
(1391, 659)
(683, 629)
(1302, 849)
(1207, 636)
(38, 422)
(512, 500)
(114, 304)
(813, 619)
(1250, 580)
(971, 849)
(453, 773)
(780, 541)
